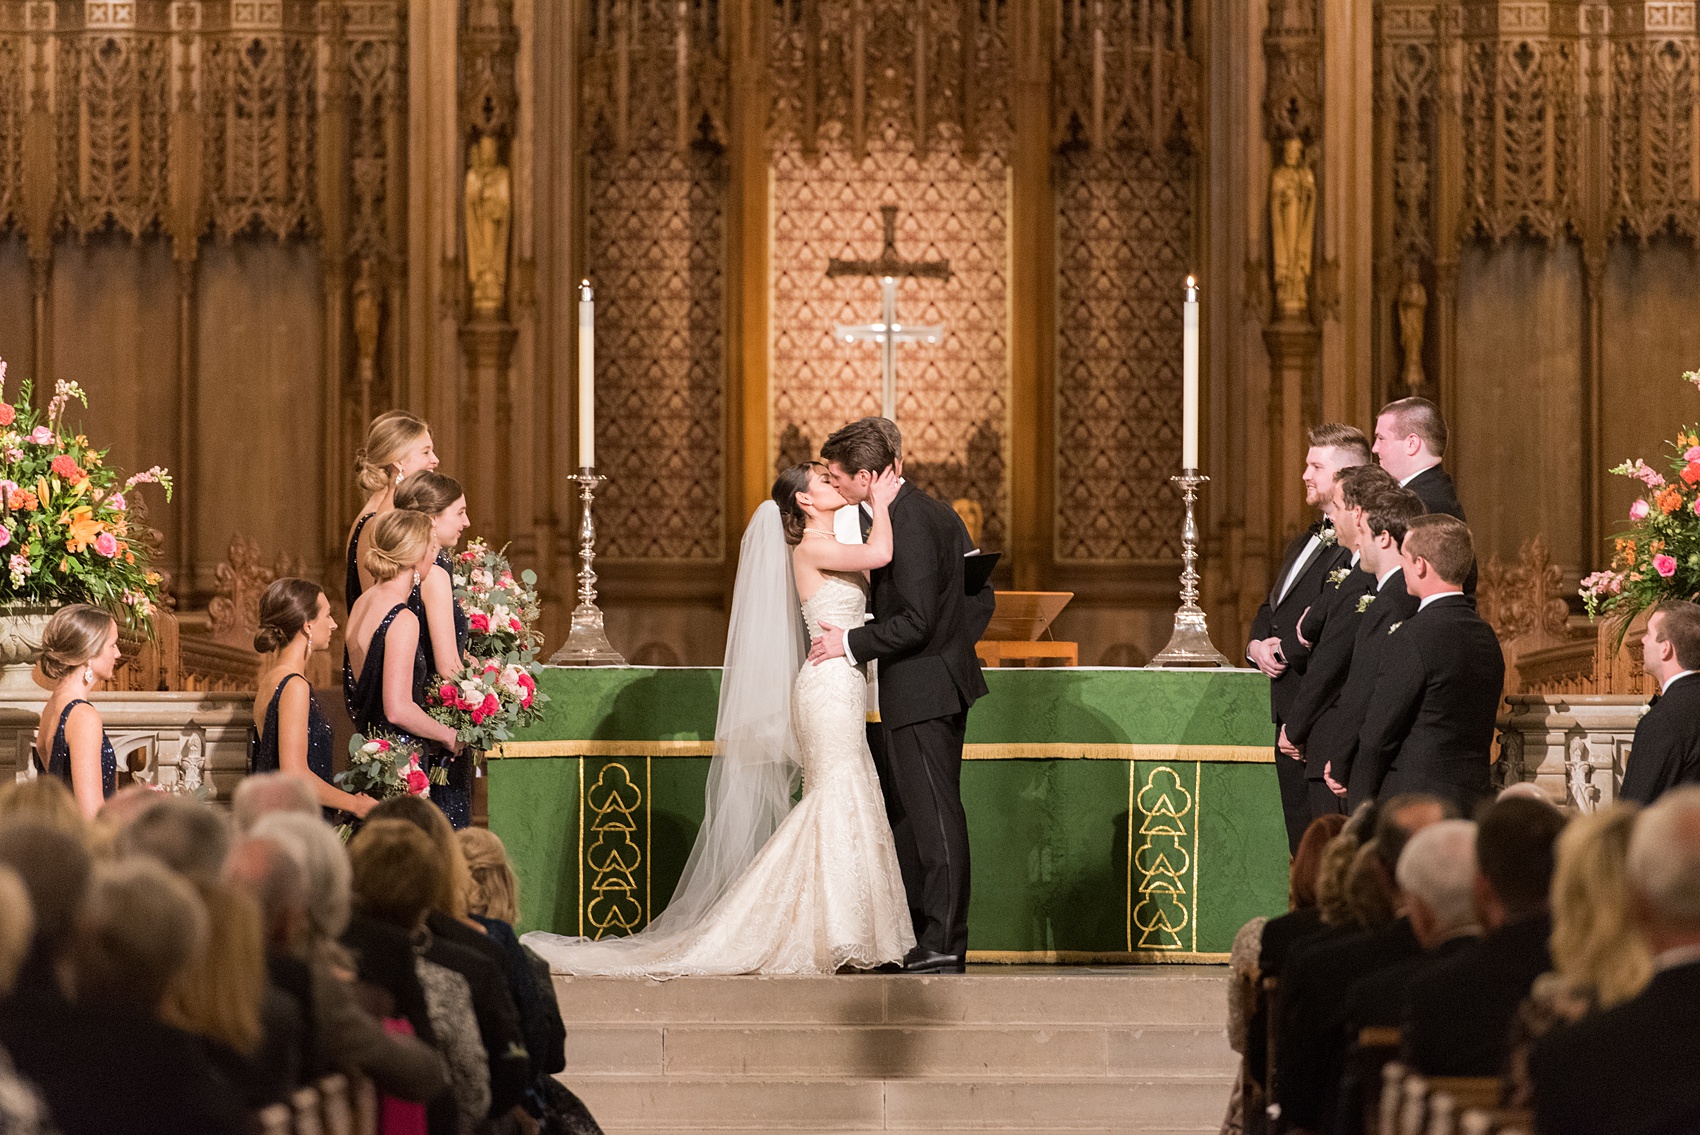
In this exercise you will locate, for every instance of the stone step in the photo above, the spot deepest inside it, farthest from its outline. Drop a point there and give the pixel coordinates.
(879, 1051)
(986, 995)
(654, 1104)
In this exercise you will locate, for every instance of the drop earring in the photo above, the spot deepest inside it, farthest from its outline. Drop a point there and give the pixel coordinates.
(88, 675)
(309, 635)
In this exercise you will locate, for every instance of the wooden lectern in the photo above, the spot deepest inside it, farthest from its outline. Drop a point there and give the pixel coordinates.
(1012, 637)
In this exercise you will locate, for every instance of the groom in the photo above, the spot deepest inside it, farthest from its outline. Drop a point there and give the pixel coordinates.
(923, 634)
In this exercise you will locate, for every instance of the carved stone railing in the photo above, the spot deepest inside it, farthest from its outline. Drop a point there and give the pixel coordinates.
(173, 740)
(1573, 746)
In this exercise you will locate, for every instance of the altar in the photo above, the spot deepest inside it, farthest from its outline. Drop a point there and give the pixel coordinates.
(1115, 815)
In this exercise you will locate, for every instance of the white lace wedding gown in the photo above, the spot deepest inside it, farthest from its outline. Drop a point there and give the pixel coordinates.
(824, 892)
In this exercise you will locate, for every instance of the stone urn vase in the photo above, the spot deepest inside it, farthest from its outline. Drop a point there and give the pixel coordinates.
(20, 647)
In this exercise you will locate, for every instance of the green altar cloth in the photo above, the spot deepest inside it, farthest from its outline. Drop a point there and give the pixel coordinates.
(1114, 814)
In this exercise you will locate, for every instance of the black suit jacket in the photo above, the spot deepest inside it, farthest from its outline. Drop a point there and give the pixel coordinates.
(924, 627)
(1333, 739)
(1461, 1009)
(1633, 1069)
(1434, 487)
(1334, 620)
(1666, 750)
(1279, 613)
(1430, 725)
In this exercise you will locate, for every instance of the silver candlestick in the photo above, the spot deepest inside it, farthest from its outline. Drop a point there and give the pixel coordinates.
(1190, 643)
(587, 643)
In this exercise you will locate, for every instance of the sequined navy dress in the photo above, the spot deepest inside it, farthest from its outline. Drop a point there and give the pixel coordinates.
(59, 762)
(320, 740)
(455, 797)
(365, 694)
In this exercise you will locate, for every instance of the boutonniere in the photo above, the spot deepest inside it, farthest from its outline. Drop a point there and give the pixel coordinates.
(1395, 626)
(1338, 576)
(1326, 537)
(1364, 601)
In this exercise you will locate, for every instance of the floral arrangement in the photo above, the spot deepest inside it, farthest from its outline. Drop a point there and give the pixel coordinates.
(66, 534)
(496, 693)
(1658, 556)
(382, 766)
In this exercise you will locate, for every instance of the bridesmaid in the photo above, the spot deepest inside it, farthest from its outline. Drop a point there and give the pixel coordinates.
(383, 667)
(79, 648)
(398, 444)
(293, 734)
(442, 619)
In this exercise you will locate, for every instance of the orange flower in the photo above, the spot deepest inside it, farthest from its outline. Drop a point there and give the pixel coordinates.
(84, 528)
(23, 500)
(1669, 499)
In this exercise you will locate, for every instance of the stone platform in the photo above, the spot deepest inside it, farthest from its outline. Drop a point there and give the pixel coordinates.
(1034, 1049)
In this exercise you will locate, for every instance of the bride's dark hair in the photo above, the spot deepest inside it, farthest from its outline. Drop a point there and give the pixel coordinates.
(791, 482)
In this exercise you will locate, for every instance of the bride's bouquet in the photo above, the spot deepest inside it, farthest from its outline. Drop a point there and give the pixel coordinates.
(496, 693)
(382, 766)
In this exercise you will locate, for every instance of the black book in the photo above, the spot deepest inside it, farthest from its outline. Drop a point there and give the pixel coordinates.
(977, 570)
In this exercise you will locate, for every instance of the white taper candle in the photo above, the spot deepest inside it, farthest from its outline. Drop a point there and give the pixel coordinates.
(586, 376)
(1189, 377)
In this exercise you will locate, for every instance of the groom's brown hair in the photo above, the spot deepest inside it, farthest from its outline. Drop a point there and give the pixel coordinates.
(863, 444)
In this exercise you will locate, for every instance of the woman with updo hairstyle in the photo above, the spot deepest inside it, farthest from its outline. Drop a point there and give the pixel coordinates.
(398, 445)
(383, 670)
(807, 502)
(292, 734)
(79, 649)
(443, 623)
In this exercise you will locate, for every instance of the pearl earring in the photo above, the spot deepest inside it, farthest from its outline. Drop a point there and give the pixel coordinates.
(88, 675)
(309, 635)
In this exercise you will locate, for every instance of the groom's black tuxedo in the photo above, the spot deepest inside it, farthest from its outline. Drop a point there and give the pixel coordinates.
(923, 637)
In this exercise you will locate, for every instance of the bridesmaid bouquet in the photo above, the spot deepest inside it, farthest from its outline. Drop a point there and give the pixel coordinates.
(66, 529)
(382, 766)
(487, 701)
(1658, 556)
(497, 691)
(502, 608)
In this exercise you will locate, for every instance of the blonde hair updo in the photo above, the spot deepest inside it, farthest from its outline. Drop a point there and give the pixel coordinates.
(388, 439)
(400, 539)
(74, 635)
(493, 892)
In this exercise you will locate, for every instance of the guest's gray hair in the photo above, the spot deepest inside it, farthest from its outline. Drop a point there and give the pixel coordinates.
(273, 873)
(267, 792)
(1438, 866)
(317, 847)
(1664, 857)
(190, 838)
(142, 926)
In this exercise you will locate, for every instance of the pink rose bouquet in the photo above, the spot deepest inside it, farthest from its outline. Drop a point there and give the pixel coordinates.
(385, 765)
(496, 693)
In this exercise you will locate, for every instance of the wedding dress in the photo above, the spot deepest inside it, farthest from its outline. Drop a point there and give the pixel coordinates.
(823, 891)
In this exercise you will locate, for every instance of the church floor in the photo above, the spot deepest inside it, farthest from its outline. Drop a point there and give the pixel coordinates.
(1001, 1049)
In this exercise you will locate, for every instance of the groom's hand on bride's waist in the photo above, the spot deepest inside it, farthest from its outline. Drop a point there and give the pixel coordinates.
(829, 645)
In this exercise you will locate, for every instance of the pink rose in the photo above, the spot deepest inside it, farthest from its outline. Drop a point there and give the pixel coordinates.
(493, 706)
(513, 625)
(383, 745)
(1692, 453)
(479, 622)
(41, 435)
(116, 501)
(106, 544)
(5, 536)
(1664, 565)
(417, 782)
(447, 693)
(1639, 510)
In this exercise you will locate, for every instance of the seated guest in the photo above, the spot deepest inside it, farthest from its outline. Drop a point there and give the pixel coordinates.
(1666, 751)
(21, 1110)
(43, 800)
(190, 838)
(340, 1036)
(398, 873)
(79, 649)
(462, 945)
(292, 734)
(1636, 1066)
(55, 869)
(110, 1062)
(122, 809)
(262, 793)
(1430, 726)
(1599, 956)
(1459, 1019)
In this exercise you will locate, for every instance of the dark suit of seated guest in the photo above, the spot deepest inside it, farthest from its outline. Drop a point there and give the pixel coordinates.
(1635, 1068)
(1310, 1026)
(1430, 727)
(1458, 1022)
(108, 1063)
(1666, 751)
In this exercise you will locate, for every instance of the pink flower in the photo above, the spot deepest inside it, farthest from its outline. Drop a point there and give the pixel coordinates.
(1692, 453)
(417, 782)
(383, 745)
(1664, 565)
(5, 536)
(1639, 510)
(479, 622)
(106, 544)
(493, 706)
(116, 501)
(513, 625)
(8, 415)
(41, 435)
(447, 693)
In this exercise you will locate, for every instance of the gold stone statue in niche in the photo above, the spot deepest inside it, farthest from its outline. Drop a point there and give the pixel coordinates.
(1292, 229)
(1413, 306)
(489, 208)
(368, 318)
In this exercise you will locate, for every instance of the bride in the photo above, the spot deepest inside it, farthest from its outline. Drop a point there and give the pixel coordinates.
(772, 888)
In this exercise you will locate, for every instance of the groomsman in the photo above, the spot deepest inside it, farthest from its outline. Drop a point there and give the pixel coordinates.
(1305, 568)
(1430, 726)
(1410, 440)
(1332, 741)
(1327, 632)
(1666, 750)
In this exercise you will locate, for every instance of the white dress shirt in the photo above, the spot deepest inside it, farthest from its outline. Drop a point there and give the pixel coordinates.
(1417, 474)
(1665, 689)
(1381, 580)
(1427, 599)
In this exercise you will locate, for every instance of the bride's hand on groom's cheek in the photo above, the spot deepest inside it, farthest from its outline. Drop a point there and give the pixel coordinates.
(829, 645)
